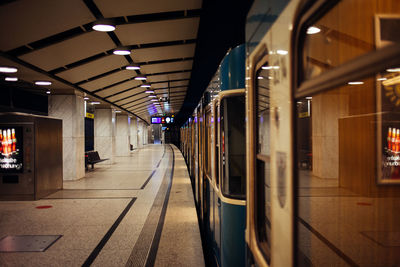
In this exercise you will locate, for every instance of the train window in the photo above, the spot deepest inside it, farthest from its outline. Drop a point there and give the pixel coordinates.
(350, 29)
(217, 144)
(348, 168)
(233, 150)
(263, 177)
(208, 143)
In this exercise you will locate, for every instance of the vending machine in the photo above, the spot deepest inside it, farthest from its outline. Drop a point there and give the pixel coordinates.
(30, 156)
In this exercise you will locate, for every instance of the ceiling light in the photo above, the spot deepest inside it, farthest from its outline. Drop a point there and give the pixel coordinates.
(122, 51)
(103, 25)
(152, 96)
(149, 91)
(6, 69)
(133, 67)
(313, 30)
(270, 67)
(43, 83)
(282, 52)
(145, 85)
(355, 83)
(95, 103)
(393, 70)
(118, 111)
(141, 78)
(153, 100)
(86, 98)
(48, 92)
(381, 79)
(11, 79)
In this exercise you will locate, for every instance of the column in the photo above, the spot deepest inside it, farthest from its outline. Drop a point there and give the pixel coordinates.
(326, 111)
(70, 109)
(140, 134)
(134, 132)
(104, 134)
(122, 135)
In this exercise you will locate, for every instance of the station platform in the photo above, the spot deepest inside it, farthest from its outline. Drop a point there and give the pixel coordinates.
(138, 211)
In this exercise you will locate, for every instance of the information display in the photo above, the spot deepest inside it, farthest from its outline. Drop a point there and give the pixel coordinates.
(11, 154)
(162, 120)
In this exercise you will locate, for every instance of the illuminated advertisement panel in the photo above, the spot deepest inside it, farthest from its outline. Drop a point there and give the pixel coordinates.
(11, 154)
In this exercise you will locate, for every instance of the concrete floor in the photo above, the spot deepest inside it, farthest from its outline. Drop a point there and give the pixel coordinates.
(99, 224)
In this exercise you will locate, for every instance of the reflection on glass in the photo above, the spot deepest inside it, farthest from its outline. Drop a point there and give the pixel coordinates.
(350, 29)
(263, 178)
(348, 142)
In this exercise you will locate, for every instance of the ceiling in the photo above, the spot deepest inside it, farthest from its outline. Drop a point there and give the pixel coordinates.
(178, 45)
(54, 41)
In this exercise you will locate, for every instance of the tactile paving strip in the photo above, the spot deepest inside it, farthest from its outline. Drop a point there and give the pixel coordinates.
(27, 243)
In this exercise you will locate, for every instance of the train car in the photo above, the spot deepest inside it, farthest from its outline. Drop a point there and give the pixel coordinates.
(322, 109)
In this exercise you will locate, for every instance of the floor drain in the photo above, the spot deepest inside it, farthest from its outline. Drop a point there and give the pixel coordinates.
(27, 243)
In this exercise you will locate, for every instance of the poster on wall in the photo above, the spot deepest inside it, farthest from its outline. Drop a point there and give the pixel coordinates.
(388, 104)
(11, 154)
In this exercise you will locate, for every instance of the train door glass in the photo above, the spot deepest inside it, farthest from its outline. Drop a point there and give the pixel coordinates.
(217, 145)
(348, 141)
(263, 176)
(232, 123)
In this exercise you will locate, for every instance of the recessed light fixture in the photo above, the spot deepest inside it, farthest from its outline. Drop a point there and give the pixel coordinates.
(381, 79)
(313, 30)
(11, 79)
(153, 100)
(43, 83)
(355, 83)
(103, 25)
(48, 92)
(152, 96)
(123, 51)
(282, 52)
(393, 70)
(118, 111)
(149, 92)
(95, 103)
(133, 67)
(270, 67)
(140, 78)
(6, 69)
(145, 85)
(86, 98)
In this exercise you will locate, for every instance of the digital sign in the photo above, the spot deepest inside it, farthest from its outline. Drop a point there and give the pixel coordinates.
(162, 120)
(156, 120)
(11, 156)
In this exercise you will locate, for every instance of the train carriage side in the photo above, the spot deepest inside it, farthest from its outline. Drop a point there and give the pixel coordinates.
(322, 107)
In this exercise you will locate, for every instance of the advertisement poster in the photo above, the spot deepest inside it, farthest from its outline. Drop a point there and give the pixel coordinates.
(388, 105)
(11, 156)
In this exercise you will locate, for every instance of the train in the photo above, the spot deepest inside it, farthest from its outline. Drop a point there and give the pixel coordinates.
(294, 149)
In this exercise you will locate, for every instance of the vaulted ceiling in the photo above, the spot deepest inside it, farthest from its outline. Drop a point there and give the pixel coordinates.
(53, 40)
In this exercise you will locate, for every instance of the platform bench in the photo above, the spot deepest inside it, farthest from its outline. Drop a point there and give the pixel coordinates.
(92, 157)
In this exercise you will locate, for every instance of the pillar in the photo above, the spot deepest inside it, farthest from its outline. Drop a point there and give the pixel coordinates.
(104, 134)
(70, 109)
(326, 111)
(122, 135)
(134, 132)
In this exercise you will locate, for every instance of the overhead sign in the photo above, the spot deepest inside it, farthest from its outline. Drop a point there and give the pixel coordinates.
(162, 120)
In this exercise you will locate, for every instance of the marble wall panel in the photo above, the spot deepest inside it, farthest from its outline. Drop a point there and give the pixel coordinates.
(122, 136)
(70, 109)
(104, 134)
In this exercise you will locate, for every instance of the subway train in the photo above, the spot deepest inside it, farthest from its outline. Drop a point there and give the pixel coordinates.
(294, 148)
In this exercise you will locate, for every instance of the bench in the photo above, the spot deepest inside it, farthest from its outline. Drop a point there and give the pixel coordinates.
(92, 157)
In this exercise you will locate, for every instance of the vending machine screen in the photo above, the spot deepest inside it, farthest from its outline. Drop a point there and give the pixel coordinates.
(11, 153)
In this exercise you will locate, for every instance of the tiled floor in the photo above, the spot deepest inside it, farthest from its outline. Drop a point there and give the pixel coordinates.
(86, 213)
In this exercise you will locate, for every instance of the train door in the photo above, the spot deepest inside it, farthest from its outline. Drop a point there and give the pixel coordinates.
(216, 174)
(207, 178)
(269, 231)
(196, 153)
(201, 166)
